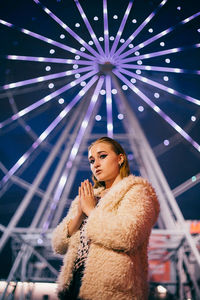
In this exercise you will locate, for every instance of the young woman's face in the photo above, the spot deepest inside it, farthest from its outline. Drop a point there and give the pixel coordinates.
(104, 163)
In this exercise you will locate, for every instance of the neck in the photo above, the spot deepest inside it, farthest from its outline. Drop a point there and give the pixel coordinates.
(110, 183)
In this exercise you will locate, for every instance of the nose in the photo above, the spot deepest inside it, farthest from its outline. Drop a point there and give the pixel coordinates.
(96, 163)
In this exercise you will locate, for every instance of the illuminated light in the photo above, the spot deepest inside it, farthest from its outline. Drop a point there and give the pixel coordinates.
(101, 39)
(139, 62)
(40, 58)
(52, 51)
(162, 44)
(131, 46)
(73, 83)
(106, 32)
(119, 33)
(115, 17)
(73, 50)
(110, 127)
(98, 118)
(94, 98)
(62, 114)
(141, 45)
(146, 56)
(156, 108)
(96, 18)
(82, 49)
(198, 30)
(161, 290)
(40, 241)
(178, 8)
(47, 98)
(48, 68)
(83, 83)
(77, 25)
(109, 100)
(122, 41)
(62, 36)
(144, 79)
(90, 43)
(120, 116)
(77, 57)
(150, 30)
(124, 87)
(133, 80)
(25, 31)
(166, 142)
(138, 72)
(64, 26)
(176, 70)
(47, 10)
(186, 20)
(165, 78)
(69, 61)
(77, 75)
(51, 85)
(102, 92)
(81, 41)
(112, 38)
(13, 56)
(175, 50)
(39, 79)
(193, 118)
(75, 67)
(82, 93)
(178, 128)
(137, 53)
(171, 91)
(194, 178)
(84, 124)
(114, 91)
(61, 101)
(49, 41)
(12, 85)
(167, 60)
(130, 156)
(141, 108)
(68, 73)
(134, 21)
(157, 95)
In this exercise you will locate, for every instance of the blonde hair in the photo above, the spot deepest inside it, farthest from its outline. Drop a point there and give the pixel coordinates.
(117, 148)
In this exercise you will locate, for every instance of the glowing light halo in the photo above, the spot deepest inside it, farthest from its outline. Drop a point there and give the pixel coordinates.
(47, 131)
(158, 110)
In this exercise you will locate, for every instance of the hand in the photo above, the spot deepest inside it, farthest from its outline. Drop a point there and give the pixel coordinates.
(86, 196)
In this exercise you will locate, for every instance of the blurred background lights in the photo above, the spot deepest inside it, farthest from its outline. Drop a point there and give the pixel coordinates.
(112, 38)
(61, 101)
(120, 116)
(130, 156)
(178, 8)
(102, 92)
(138, 71)
(83, 83)
(156, 95)
(52, 51)
(167, 60)
(77, 75)
(198, 30)
(82, 49)
(75, 67)
(134, 21)
(90, 43)
(161, 290)
(48, 68)
(77, 57)
(77, 25)
(122, 41)
(165, 78)
(137, 53)
(139, 62)
(150, 30)
(194, 178)
(62, 36)
(51, 85)
(101, 39)
(166, 142)
(133, 80)
(193, 118)
(162, 44)
(96, 18)
(115, 17)
(98, 118)
(114, 91)
(130, 45)
(141, 108)
(124, 87)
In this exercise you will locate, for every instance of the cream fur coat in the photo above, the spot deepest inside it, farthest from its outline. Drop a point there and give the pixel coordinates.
(119, 229)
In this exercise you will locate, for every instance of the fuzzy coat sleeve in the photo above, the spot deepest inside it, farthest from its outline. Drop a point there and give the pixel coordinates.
(60, 238)
(130, 225)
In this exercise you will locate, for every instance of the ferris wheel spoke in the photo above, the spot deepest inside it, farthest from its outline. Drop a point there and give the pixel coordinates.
(46, 99)
(47, 131)
(49, 59)
(160, 86)
(48, 40)
(121, 28)
(139, 29)
(160, 112)
(106, 30)
(159, 53)
(158, 36)
(109, 106)
(67, 28)
(89, 27)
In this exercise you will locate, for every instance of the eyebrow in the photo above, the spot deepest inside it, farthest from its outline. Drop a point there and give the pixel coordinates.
(98, 153)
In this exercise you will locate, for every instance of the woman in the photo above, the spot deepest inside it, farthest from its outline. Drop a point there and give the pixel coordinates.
(106, 231)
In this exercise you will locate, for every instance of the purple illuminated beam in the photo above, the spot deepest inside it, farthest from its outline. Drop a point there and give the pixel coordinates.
(158, 36)
(160, 86)
(159, 69)
(46, 133)
(109, 106)
(159, 53)
(68, 29)
(46, 99)
(106, 32)
(121, 28)
(72, 156)
(49, 59)
(49, 41)
(158, 110)
(44, 78)
(89, 27)
(137, 31)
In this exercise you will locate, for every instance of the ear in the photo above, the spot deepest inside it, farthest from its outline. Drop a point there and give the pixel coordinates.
(120, 159)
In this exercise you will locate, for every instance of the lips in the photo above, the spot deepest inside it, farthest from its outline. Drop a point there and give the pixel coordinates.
(97, 172)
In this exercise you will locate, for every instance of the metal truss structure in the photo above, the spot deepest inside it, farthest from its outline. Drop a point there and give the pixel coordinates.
(105, 68)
